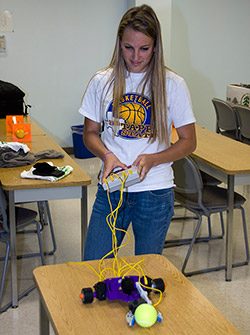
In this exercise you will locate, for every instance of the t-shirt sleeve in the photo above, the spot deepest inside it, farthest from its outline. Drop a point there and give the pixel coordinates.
(180, 105)
(90, 106)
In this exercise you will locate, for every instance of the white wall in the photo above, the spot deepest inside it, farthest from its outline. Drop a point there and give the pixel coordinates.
(57, 45)
(55, 48)
(210, 48)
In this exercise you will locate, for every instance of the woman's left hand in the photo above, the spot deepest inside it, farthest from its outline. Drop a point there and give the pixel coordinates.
(144, 163)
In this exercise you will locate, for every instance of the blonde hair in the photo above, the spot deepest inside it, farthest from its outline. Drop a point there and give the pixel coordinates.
(144, 20)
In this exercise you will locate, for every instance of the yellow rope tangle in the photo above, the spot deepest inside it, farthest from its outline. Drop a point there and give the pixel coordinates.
(121, 268)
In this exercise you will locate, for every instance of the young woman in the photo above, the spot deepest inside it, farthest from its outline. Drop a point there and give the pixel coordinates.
(137, 99)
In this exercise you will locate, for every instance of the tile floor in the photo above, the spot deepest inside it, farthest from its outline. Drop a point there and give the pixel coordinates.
(231, 298)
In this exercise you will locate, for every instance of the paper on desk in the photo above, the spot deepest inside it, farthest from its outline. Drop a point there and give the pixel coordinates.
(15, 146)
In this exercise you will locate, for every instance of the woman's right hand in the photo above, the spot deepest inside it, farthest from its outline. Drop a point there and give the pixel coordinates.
(110, 163)
(94, 143)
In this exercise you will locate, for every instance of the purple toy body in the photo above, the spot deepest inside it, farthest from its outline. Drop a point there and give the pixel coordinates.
(114, 289)
(121, 288)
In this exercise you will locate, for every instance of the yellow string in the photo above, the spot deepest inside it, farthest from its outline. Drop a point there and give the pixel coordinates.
(118, 269)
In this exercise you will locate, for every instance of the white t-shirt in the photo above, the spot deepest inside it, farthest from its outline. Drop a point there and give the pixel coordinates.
(131, 139)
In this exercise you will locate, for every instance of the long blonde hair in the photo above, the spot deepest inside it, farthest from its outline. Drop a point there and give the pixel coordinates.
(144, 20)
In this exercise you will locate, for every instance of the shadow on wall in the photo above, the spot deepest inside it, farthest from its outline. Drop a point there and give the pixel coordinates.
(201, 87)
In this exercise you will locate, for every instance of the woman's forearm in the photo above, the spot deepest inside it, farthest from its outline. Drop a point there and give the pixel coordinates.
(94, 144)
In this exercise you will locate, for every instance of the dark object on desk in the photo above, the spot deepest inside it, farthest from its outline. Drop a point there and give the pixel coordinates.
(226, 119)
(45, 169)
(203, 201)
(24, 218)
(12, 100)
(243, 115)
(10, 158)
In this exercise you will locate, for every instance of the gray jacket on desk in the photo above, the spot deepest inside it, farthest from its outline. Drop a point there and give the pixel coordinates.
(10, 158)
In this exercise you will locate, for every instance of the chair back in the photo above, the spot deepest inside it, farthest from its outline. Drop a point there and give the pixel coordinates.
(243, 115)
(226, 118)
(187, 179)
(3, 214)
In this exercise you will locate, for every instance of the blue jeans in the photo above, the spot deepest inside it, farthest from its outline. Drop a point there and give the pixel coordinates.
(150, 213)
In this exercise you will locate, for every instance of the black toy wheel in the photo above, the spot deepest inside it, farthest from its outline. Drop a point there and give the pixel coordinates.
(87, 295)
(100, 289)
(127, 285)
(158, 284)
(134, 304)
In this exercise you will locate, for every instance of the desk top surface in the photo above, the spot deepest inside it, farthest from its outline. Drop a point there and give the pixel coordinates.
(11, 179)
(223, 153)
(185, 310)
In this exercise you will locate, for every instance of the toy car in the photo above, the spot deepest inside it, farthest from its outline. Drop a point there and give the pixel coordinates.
(122, 288)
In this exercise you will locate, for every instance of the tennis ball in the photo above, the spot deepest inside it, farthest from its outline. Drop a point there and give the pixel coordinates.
(145, 315)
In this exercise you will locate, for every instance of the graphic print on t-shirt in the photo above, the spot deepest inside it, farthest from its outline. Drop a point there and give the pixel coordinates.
(134, 117)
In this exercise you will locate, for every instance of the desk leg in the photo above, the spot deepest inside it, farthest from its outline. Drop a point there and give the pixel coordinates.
(44, 321)
(229, 236)
(84, 218)
(12, 217)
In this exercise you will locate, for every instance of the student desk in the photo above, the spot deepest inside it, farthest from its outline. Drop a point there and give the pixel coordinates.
(229, 161)
(30, 190)
(184, 309)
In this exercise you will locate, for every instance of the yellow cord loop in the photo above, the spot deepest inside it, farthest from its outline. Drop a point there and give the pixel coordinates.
(120, 268)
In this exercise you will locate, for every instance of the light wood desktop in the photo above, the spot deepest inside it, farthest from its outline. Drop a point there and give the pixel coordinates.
(30, 190)
(184, 309)
(229, 161)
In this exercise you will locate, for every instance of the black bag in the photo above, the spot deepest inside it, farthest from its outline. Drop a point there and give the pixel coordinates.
(11, 100)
